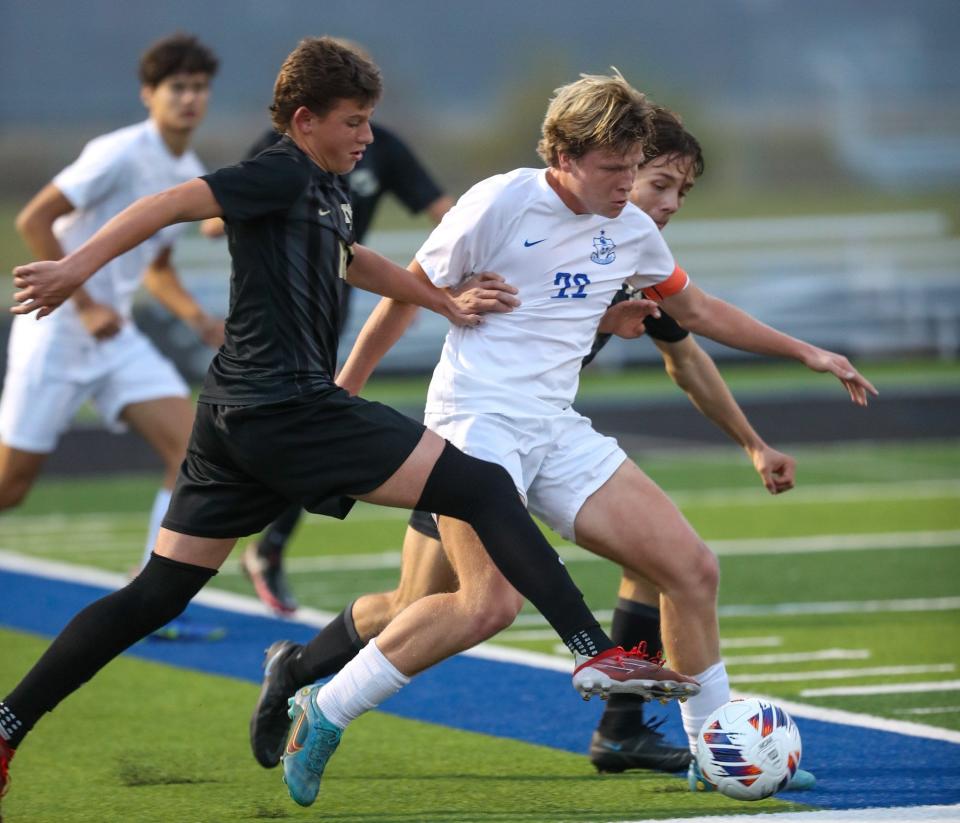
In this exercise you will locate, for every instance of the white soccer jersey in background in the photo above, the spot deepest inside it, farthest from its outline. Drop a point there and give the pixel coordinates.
(54, 364)
(567, 268)
(112, 172)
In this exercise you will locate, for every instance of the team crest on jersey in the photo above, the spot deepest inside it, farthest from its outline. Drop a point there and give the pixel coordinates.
(603, 249)
(347, 213)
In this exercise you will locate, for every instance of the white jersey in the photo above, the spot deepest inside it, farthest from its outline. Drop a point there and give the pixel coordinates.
(112, 172)
(567, 268)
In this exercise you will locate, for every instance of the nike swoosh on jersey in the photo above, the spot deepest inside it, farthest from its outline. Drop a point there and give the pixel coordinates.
(323, 212)
(528, 243)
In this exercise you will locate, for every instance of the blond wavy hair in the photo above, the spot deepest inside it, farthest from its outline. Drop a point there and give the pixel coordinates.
(596, 111)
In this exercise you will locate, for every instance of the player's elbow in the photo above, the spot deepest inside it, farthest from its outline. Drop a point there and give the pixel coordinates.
(30, 221)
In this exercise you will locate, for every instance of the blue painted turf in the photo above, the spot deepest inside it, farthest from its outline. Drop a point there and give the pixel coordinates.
(855, 767)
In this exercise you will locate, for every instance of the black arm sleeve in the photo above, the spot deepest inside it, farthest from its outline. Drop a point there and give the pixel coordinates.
(663, 328)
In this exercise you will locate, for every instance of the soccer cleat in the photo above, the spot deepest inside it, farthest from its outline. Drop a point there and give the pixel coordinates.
(802, 780)
(269, 580)
(6, 755)
(616, 671)
(269, 722)
(311, 742)
(645, 750)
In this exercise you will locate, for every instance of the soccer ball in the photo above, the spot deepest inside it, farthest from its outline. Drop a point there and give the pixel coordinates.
(748, 749)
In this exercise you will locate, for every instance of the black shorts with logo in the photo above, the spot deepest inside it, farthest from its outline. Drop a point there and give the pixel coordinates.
(246, 464)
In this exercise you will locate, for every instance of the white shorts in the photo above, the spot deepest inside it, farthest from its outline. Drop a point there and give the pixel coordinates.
(40, 397)
(556, 462)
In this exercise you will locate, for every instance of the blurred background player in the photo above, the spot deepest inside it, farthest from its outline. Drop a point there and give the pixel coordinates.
(388, 166)
(624, 740)
(91, 349)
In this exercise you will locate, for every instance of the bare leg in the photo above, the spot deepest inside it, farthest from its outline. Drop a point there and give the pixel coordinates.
(658, 545)
(424, 570)
(442, 624)
(165, 423)
(18, 472)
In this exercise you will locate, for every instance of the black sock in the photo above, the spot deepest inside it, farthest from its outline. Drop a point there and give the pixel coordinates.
(483, 494)
(100, 632)
(10, 726)
(335, 646)
(589, 642)
(274, 540)
(632, 623)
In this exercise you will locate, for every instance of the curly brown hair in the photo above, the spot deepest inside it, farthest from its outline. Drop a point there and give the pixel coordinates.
(175, 54)
(319, 72)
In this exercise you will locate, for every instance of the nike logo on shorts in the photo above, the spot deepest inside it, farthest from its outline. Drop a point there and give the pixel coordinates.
(529, 243)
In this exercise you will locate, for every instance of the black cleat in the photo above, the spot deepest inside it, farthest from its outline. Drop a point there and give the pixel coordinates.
(269, 723)
(645, 750)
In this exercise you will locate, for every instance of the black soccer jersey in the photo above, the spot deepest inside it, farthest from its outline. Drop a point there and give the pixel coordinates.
(289, 227)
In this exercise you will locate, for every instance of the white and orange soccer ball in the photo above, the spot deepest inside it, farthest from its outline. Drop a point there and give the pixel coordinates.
(749, 749)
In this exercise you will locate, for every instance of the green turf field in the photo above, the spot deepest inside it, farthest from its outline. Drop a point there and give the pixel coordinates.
(851, 581)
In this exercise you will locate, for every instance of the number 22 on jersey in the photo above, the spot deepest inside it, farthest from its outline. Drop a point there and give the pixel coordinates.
(567, 281)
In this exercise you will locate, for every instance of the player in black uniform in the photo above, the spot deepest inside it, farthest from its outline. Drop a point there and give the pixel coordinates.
(387, 166)
(273, 428)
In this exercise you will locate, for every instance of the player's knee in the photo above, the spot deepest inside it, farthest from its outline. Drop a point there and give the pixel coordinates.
(494, 613)
(704, 573)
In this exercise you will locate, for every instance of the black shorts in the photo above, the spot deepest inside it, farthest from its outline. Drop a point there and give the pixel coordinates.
(424, 523)
(246, 464)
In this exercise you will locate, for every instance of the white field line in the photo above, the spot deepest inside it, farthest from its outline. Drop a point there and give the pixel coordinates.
(887, 688)
(904, 814)
(914, 604)
(487, 651)
(843, 717)
(750, 642)
(842, 674)
(795, 657)
(929, 710)
(833, 493)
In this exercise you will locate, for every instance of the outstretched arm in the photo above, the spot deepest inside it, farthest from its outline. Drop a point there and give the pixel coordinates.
(47, 284)
(486, 292)
(711, 317)
(694, 371)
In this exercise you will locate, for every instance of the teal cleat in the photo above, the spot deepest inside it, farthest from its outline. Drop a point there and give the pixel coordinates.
(310, 743)
(802, 780)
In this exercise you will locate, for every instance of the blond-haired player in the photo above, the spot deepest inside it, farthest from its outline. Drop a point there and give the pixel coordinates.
(567, 238)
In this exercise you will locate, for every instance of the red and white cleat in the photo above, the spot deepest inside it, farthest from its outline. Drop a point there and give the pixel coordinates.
(6, 755)
(616, 671)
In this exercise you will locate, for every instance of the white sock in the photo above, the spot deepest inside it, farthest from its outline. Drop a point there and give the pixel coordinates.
(157, 513)
(363, 684)
(714, 692)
